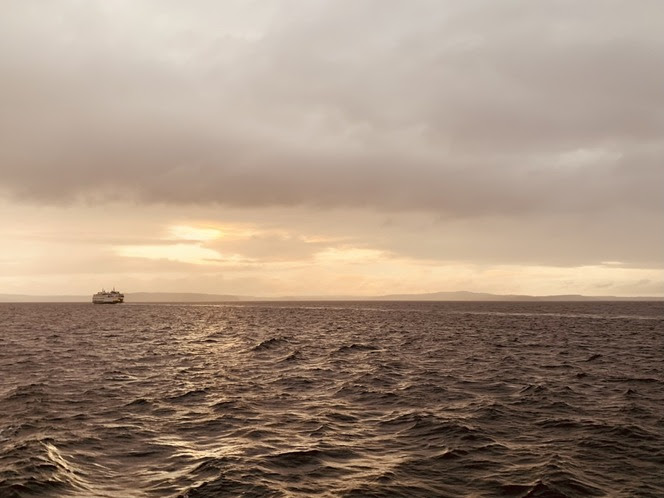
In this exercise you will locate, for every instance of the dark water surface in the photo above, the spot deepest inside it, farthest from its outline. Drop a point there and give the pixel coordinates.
(332, 399)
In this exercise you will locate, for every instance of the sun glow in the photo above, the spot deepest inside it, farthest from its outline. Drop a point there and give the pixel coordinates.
(185, 232)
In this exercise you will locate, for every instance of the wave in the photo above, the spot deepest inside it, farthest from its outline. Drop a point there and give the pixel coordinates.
(272, 343)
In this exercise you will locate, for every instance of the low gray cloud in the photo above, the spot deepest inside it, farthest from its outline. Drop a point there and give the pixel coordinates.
(465, 110)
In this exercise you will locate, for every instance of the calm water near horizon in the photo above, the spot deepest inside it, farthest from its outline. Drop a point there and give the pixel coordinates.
(345, 399)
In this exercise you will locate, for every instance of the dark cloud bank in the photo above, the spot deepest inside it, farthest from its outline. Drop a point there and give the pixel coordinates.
(486, 107)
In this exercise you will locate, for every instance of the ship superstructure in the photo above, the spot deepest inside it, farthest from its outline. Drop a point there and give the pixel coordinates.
(108, 297)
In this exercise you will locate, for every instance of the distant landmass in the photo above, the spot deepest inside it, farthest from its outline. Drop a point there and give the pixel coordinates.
(187, 297)
(483, 296)
(176, 297)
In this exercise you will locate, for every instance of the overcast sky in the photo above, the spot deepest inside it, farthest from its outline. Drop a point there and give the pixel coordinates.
(332, 147)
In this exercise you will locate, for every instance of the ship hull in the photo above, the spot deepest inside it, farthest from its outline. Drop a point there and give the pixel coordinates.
(112, 297)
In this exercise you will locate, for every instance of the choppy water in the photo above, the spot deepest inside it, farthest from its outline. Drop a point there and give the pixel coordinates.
(337, 399)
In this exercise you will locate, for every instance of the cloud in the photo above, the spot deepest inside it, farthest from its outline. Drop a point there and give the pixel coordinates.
(465, 110)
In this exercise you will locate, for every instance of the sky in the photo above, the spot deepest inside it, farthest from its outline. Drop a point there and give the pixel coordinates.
(332, 147)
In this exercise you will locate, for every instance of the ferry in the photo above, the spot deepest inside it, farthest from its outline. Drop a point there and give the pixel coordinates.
(112, 297)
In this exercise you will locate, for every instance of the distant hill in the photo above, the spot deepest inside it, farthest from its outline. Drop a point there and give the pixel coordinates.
(176, 297)
(482, 296)
(25, 298)
(189, 297)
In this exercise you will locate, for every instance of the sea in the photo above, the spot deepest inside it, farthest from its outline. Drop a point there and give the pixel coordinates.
(332, 399)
